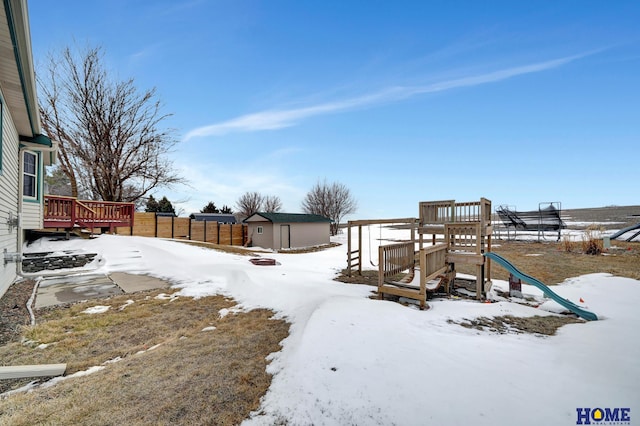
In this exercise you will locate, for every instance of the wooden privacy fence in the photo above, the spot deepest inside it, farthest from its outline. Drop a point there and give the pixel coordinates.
(152, 225)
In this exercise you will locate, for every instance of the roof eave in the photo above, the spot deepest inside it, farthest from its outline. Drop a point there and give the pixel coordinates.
(18, 21)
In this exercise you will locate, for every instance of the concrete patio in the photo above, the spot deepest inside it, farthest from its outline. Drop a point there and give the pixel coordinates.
(76, 288)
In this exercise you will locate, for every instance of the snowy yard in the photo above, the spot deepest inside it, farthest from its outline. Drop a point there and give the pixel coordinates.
(353, 360)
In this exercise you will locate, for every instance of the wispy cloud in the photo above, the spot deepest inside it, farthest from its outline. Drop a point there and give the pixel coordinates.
(223, 184)
(280, 118)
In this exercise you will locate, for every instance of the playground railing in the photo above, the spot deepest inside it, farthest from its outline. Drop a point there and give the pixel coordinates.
(464, 237)
(436, 212)
(447, 211)
(393, 259)
(433, 262)
(473, 211)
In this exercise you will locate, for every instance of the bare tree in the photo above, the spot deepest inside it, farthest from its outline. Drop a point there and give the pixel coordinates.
(333, 201)
(111, 143)
(271, 204)
(57, 182)
(249, 203)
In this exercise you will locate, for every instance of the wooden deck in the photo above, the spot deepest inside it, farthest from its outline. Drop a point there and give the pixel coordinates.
(69, 212)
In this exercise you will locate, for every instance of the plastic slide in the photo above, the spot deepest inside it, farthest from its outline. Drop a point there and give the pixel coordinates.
(589, 316)
(624, 231)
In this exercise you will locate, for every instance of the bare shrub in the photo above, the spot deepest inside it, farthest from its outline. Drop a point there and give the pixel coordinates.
(567, 245)
(591, 241)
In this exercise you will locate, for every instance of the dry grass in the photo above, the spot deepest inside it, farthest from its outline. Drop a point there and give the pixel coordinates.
(192, 377)
(591, 242)
(312, 249)
(224, 248)
(568, 244)
(540, 325)
(255, 252)
(551, 263)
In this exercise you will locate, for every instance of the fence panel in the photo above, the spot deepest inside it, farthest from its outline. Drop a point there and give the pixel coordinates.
(212, 232)
(164, 227)
(150, 225)
(181, 227)
(225, 234)
(237, 234)
(144, 224)
(197, 230)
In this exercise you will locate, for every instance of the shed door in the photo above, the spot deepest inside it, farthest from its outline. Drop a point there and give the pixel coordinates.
(285, 236)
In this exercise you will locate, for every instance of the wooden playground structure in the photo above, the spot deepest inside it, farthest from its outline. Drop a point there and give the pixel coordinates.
(449, 233)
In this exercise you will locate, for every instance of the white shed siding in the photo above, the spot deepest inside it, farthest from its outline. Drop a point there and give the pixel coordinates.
(309, 234)
(302, 234)
(8, 197)
(265, 239)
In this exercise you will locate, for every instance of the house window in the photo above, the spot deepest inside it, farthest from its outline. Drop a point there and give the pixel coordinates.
(29, 174)
(259, 230)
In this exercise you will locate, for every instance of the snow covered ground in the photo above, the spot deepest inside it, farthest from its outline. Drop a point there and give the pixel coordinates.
(353, 360)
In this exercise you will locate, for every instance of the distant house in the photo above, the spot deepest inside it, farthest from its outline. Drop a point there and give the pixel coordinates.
(24, 151)
(287, 230)
(214, 217)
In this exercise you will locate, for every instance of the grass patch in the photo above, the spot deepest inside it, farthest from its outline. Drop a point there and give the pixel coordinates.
(552, 264)
(541, 325)
(591, 241)
(190, 377)
(312, 249)
(369, 277)
(221, 247)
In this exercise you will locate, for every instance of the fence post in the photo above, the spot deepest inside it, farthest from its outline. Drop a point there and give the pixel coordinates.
(205, 231)
(218, 232)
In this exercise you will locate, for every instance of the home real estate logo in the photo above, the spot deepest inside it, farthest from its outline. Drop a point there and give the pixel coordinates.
(603, 416)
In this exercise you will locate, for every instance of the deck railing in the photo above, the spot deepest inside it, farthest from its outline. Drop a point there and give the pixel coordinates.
(67, 212)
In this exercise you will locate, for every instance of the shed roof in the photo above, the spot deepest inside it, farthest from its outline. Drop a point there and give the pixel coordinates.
(289, 217)
(214, 217)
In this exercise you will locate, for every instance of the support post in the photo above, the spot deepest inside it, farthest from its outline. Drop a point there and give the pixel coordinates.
(360, 250)
(349, 249)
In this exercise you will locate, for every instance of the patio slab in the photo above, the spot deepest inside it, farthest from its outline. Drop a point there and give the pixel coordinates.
(77, 288)
(131, 283)
(71, 289)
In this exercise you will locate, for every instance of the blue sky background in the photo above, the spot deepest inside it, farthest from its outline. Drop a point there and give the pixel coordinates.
(401, 101)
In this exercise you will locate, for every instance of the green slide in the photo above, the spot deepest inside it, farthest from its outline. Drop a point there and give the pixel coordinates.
(589, 316)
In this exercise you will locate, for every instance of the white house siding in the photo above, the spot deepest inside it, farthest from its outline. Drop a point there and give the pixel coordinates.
(31, 215)
(8, 198)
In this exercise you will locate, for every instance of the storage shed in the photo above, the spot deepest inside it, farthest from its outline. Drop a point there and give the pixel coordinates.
(287, 230)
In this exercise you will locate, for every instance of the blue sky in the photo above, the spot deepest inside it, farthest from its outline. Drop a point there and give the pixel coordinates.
(403, 101)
